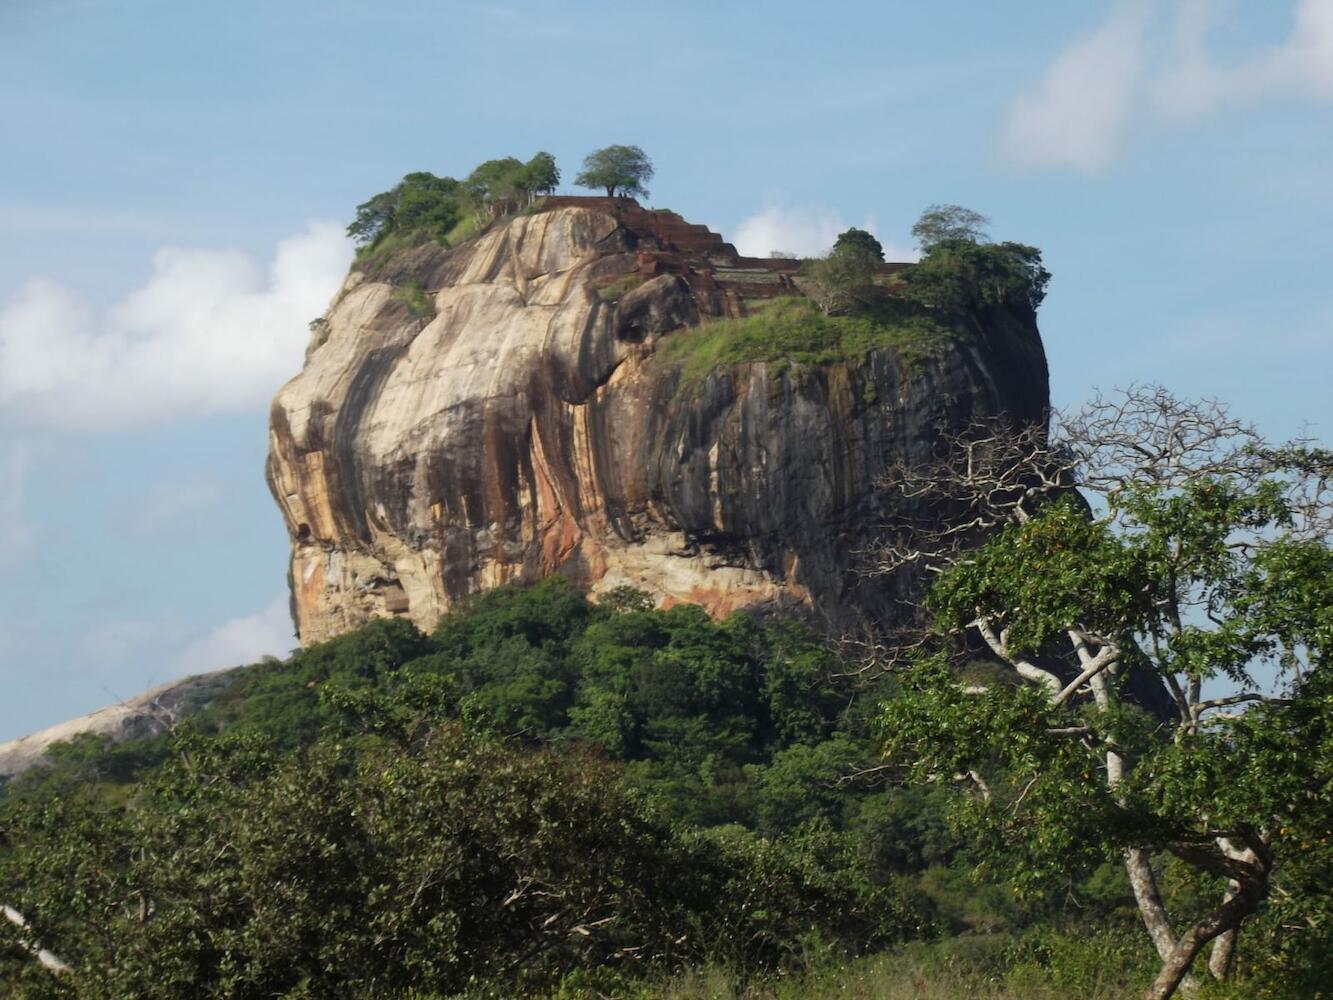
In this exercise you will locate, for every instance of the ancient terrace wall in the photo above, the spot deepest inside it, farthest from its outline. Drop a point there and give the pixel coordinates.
(713, 268)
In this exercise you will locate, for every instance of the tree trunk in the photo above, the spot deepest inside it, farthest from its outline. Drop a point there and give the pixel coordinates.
(1177, 965)
(1144, 883)
(1226, 918)
(1223, 954)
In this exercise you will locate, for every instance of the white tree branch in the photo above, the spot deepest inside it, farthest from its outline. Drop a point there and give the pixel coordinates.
(43, 956)
(1025, 669)
(1092, 665)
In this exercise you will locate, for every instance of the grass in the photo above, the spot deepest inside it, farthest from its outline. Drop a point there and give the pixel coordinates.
(418, 302)
(793, 330)
(971, 967)
(623, 285)
(467, 227)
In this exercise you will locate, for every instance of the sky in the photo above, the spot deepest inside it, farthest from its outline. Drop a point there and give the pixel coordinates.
(176, 177)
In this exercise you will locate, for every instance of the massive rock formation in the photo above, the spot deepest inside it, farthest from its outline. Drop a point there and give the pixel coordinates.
(496, 412)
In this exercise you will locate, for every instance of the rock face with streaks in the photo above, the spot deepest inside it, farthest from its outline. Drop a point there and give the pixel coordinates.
(496, 412)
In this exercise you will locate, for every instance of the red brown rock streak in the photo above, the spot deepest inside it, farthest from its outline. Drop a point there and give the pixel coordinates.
(526, 428)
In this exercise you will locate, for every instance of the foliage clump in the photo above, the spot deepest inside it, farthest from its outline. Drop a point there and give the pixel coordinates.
(615, 290)
(968, 280)
(418, 303)
(423, 208)
(619, 170)
(843, 283)
(948, 223)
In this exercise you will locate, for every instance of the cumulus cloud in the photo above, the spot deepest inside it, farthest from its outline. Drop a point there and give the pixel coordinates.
(806, 231)
(803, 230)
(210, 332)
(1079, 113)
(1126, 74)
(18, 534)
(242, 640)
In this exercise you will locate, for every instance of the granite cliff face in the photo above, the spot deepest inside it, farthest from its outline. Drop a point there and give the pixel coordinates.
(496, 413)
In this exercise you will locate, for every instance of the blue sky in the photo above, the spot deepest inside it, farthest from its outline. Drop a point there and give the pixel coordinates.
(176, 177)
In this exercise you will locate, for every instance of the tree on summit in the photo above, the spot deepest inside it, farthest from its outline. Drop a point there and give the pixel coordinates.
(860, 243)
(621, 170)
(844, 281)
(941, 223)
(420, 201)
(541, 176)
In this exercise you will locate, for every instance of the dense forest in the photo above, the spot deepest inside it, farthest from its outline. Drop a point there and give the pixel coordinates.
(541, 791)
(547, 796)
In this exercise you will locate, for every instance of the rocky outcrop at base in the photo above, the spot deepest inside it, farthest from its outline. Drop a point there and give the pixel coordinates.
(152, 712)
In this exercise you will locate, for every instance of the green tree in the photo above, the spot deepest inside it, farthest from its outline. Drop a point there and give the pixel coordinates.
(620, 170)
(939, 223)
(862, 242)
(1201, 557)
(844, 281)
(420, 201)
(405, 855)
(496, 187)
(374, 217)
(963, 279)
(541, 176)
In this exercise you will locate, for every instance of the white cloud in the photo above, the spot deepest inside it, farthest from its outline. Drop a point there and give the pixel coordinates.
(804, 230)
(1194, 83)
(241, 640)
(18, 534)
(1125, 74)
(1079, 114)
(208, 333)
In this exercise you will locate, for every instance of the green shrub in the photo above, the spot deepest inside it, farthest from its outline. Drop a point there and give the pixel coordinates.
(622, 286)
(415, 298)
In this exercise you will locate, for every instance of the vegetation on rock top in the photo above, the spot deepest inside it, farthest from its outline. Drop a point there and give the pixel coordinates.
(618, 170)
(795, 331)
(958, 288)
(423, 208)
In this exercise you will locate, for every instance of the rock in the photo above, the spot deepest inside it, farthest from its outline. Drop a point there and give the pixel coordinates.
(522, 425)
(152, 712)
